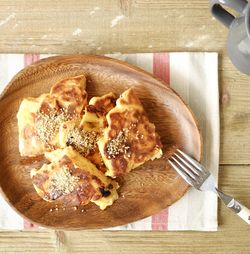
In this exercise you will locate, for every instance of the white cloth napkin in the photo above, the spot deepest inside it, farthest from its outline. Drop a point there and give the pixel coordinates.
(195, 77)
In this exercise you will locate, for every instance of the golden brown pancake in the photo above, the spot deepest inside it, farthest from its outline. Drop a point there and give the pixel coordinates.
(39, 118)
(70, 94)
(83, 136)
(130, 139)
(74, 180)
(95, 113)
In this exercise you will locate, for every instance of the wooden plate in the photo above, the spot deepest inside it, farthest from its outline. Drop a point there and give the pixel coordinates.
(143, 192)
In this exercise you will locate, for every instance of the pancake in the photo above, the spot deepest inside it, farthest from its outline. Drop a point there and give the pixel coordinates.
(70, 94)
(73, 180)
(39, 118)
(29, 143)
(130, 139)
(83, 136)
(95, 113)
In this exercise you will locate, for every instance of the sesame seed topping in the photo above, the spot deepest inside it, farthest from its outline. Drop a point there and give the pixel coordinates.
(63, 182)
(83, 141)
(47, 125)
(118, 145)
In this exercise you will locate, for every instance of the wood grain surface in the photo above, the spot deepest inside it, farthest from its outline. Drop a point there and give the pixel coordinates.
(148, 26)
(143, 192)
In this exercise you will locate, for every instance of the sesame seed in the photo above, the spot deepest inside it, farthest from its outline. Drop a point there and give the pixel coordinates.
(50, 209)
(47, 125)
(75, 208)
(63, 182)
(83, 141)
(118, 145)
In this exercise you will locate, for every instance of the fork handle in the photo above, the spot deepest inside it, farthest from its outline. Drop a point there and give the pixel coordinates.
(241, 211)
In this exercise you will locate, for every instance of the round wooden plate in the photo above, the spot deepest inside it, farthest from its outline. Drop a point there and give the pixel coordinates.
(144, 191)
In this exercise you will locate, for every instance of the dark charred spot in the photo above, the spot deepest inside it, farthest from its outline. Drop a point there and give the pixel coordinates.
(45, 108)
(110, 186)
(97, 180)
(105, 193)
(113, 101)
(91, 108)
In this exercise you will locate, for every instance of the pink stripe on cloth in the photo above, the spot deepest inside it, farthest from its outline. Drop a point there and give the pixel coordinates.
(161, 66)
(29, 59)
(161, 69)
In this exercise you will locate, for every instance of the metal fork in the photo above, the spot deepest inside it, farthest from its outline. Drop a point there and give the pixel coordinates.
(200, 178)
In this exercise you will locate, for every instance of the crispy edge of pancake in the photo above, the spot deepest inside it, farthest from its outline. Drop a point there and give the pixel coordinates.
(25, 119)
(95, 112)
(128, 101)
(72, 87)
(78, 160)
(32, 105)
(79, 80)
(89, 167)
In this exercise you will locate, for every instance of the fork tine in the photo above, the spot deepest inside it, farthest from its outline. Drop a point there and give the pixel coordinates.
(196, 164)
(187, 178)
(185, 169)
(189, 165)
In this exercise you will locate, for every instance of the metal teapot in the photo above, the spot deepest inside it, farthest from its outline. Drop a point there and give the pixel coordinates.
(238, 45)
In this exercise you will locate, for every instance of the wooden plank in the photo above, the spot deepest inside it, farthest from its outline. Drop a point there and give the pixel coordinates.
(235, 115)
(233, 235)
(95, 27)
(29, 241)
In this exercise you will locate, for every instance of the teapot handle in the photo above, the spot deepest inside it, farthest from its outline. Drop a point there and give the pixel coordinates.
(223, 15)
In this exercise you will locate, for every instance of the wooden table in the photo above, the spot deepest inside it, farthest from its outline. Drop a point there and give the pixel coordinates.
(144, 26)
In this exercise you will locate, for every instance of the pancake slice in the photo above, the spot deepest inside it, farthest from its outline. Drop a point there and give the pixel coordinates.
(39, 118)
(83, 135)
(130, 139)
(95, 113)
(29, 143)
(70, 94)
(74, 180)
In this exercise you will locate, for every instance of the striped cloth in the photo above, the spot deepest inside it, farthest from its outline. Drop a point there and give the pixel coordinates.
(195, 77)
